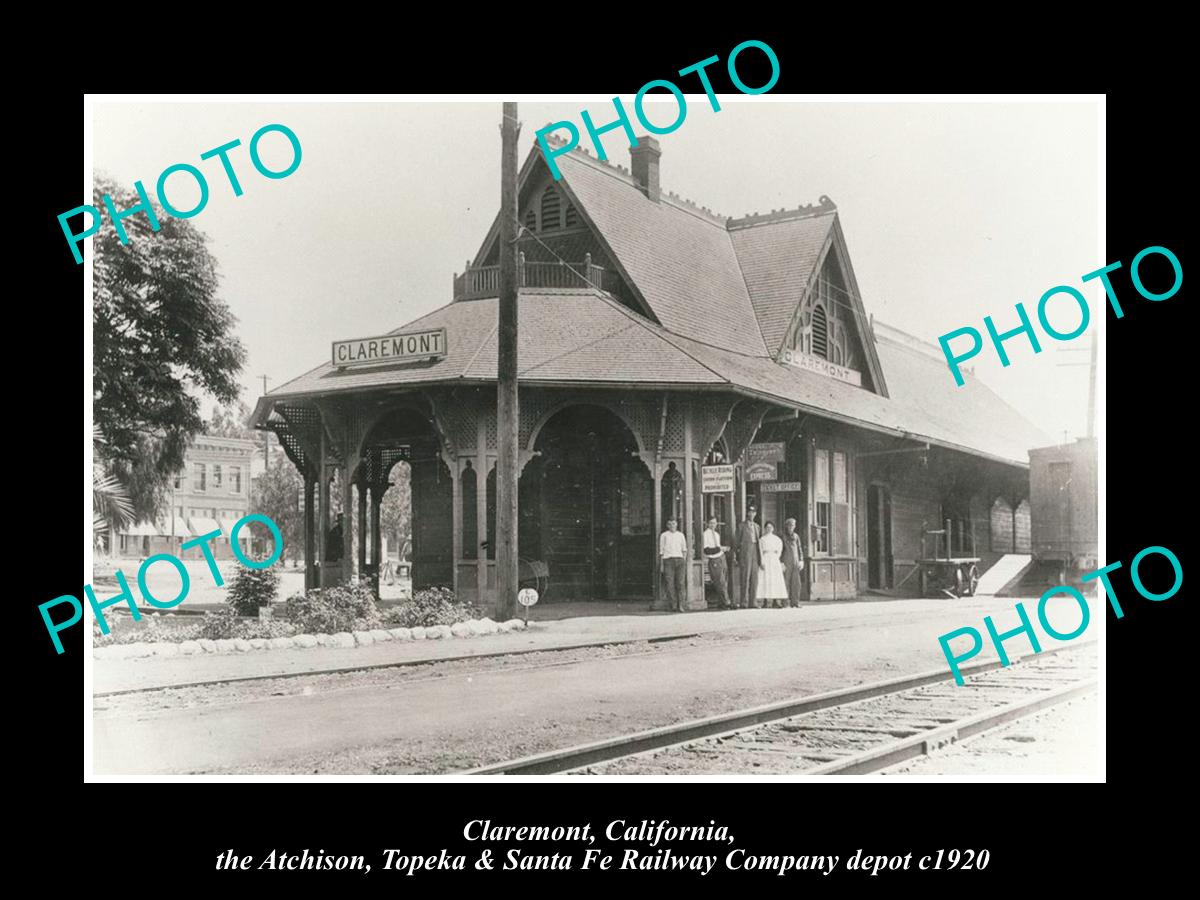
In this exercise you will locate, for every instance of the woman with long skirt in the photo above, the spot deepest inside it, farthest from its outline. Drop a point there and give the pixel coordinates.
(771, 585)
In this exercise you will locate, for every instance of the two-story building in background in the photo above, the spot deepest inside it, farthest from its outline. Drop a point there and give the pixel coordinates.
(210, 493)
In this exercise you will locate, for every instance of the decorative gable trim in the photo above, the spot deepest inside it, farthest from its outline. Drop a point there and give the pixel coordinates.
(835, 243)
(528, 172)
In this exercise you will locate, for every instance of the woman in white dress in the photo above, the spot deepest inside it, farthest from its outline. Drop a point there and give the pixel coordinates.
(771, 585)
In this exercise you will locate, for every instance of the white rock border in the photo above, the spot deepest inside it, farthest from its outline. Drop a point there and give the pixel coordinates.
(344, 639)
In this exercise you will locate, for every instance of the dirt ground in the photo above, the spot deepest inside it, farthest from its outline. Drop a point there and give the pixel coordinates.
(432, 720)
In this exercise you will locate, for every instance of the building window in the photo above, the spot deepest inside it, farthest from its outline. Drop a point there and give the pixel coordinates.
(820, 536)
(531, 219)
(235, 479)
(200, 476)
(831, 499)
(820, 332)
(551, 209)
(216, 475)
(571, 219)
(178, 481)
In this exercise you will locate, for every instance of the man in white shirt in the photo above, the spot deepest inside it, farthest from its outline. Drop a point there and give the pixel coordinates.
(714, 554)
(672, 557)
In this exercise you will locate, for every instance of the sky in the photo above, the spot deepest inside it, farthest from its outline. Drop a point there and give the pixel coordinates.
(951, 211)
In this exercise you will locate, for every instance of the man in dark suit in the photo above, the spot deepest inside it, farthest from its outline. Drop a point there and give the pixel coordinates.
(793, 562)
(748, 560)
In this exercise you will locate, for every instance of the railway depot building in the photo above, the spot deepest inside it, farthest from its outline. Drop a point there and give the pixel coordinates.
(674, 363)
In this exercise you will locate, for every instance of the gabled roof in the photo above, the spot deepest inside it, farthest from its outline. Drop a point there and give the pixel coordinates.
(565, 336)
(679, 259)
(717, 298)
(781, 254)
(585, 337)
(924, 403)
(778, 259)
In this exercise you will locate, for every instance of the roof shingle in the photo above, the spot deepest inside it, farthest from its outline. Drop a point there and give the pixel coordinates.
(777, 260)
(682, 261)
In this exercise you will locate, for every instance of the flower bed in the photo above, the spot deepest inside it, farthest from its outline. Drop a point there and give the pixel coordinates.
(342, 616)
(195, 646)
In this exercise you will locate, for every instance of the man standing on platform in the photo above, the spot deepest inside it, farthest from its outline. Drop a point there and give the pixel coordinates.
(748, 560)
(714, 553)
(793, 562)
(672, 555)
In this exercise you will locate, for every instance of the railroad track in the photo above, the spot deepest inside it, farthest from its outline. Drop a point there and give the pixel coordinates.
(846, 732)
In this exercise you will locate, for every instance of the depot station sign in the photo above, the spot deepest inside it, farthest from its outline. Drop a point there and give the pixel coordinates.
(406, 346)
(798, 360)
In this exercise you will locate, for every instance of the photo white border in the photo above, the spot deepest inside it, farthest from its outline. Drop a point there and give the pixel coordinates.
(1100, 335)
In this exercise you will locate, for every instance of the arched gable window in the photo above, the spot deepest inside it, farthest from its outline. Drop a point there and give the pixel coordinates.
(551, 209)
(571, 219)
(531, 219)
(820, 332)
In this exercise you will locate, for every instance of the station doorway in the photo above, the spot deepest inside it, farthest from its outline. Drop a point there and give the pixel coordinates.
(586, 508)
(879, 537)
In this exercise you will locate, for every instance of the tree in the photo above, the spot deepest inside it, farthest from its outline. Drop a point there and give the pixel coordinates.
(111, 503)
(395, 513)
(160, 335)
(278, 493)
(231, 421)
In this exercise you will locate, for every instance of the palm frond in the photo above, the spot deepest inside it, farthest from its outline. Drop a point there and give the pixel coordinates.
(111, 502)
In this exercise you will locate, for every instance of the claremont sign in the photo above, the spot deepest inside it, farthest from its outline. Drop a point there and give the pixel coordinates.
(403, 347)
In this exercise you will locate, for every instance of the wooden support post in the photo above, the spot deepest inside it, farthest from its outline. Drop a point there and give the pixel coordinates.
(507, 408)
(322, 508)
(481, 535)
(456, 522)
(347, 504)
(654, 535)
(688, 503)
(377, 491)
(310, 545)
(377, 534)
(361, 537)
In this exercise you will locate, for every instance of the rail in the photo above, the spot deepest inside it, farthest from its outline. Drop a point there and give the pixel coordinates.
(722, 726)
(477, 282)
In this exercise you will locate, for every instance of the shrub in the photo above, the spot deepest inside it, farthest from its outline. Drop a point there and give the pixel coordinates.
(150, 629)
(224, 623)
(333, 609)
(268, 628)
(252, 589)
(430, 606)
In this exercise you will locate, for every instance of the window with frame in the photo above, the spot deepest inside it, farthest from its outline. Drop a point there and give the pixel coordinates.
(216, 475)
(178, 480)
(831, 502)
(820, 537)
(199, 473)
(235, 479)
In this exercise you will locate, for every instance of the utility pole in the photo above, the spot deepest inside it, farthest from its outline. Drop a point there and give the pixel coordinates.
(266, 436)
(1091, 413)
(507, 411)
